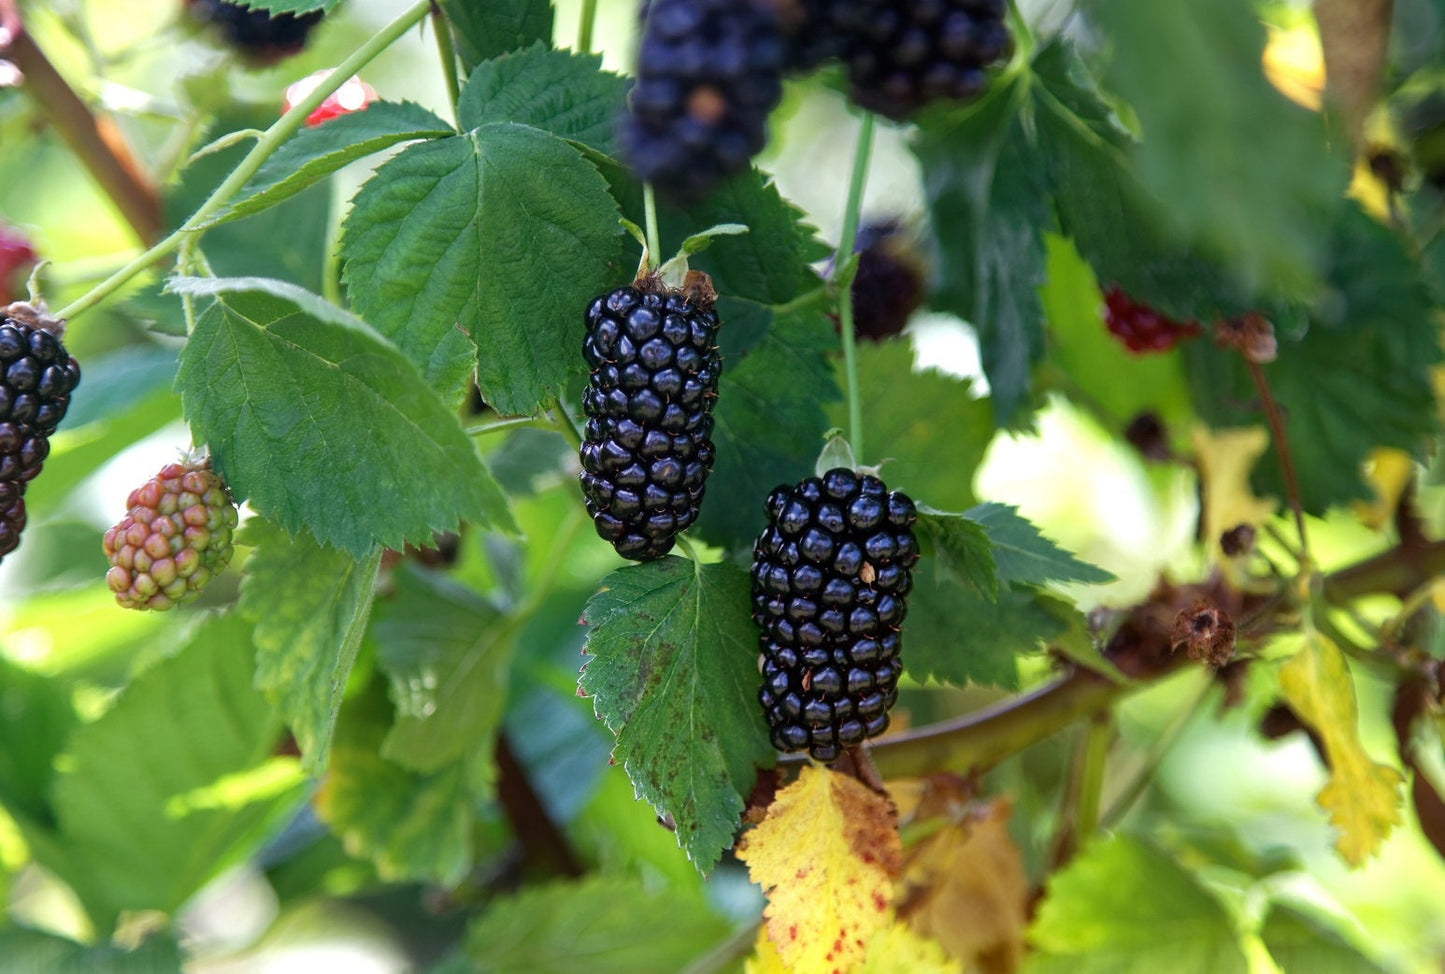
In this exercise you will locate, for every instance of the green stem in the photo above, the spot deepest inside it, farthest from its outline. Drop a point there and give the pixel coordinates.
(845, 295)
(584, 29)
(1095, 755)
(448, 56)
(510, 423)
(649, 212)
(689, 550)
(805, 300)
(566, 425)
(1142, 778)
(724, 955)
(284, 127)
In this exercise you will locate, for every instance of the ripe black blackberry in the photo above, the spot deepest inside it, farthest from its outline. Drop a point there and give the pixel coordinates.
(708, 74)
(255, 33)
(901, 56)
(37, 376)
(830, 579)
(647, 451)
(888, 285)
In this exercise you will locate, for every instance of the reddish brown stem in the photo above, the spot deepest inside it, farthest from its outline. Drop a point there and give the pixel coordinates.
(543, 843)
(1281, 446)
(94, 139)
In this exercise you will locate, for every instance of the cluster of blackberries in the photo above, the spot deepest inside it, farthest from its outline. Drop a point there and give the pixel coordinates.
(256, 34)
(708, 74)
(830, 577)
(37, 376)
(647, 448)
(710, 71)
(1140, 327)
(174, 538)
(901, 56)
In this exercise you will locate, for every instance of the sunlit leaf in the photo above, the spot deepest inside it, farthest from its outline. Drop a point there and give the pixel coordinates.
(1023, 556)
(826, 856)
(560, 92)
(1363, 797)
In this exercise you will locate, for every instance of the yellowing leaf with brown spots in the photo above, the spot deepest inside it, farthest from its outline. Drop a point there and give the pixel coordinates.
(964, 886)
(826, 856)
(900, 949)
(765, 959)
(1225, 458)
(1362, 796)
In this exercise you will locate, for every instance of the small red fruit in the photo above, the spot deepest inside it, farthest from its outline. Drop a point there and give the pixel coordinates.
(353, 96)
(1140, 327)
(16, 259)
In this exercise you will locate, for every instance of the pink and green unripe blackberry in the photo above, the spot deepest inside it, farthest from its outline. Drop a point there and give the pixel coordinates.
(37, 376)
(1140, 327)
(647, 447)
(173, 540)
(830, 579)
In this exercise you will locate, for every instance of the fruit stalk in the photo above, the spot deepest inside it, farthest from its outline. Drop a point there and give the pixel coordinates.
(861, 157)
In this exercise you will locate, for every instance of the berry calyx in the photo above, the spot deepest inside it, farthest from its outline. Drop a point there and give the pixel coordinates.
(708, 74)
(830, 578)
(37, 376)
(353, 96)
(175, 537)
(1140, 327)
(647, 446)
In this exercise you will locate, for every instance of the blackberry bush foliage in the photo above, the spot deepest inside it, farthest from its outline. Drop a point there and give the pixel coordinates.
(830, 580)
(422, 681)
(647, 448)
(175, 537)
(37, 376)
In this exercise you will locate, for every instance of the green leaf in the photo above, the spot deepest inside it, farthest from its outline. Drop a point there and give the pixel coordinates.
(310, 605)
(316, 152)
(289, 6)
(987, 194)
(560, 92)
(483, 29)
(1357, 378)
(38, 717)
(1302, 944)
(1119, 228)
(961, 546)
(28, 951)
(1023, 556)
(447, 653)
(1248, 174)
(957, 634)
(323, 425)
(612, 925)
(768, 424)
(673, 671)
(411, 826)
(1123, 906)
(496, 239)
(929, 440)
(175, 783)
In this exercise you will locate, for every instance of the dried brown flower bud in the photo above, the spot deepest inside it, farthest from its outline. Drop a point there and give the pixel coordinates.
(1206, 631)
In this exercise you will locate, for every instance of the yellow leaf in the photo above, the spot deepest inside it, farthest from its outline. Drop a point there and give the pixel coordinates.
(1388, 471)
(898, 949)
(1294, 63)
(826, 856)
(964, 886)
(765, 959)
(1225, 458)
(1362, 796)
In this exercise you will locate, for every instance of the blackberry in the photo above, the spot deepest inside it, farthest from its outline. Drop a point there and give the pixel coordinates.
(901, 56)
(830, 579)
(175, 537)
(37, 376)
(256, 34)
(708, 74)
(647, 448)
(888, 285)
(1140, 327)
